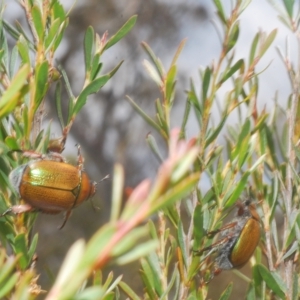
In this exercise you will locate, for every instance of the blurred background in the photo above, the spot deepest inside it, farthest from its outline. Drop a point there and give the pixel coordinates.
(108, 129)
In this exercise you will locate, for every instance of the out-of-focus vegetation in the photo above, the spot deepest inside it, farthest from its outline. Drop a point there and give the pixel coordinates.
(162, 222)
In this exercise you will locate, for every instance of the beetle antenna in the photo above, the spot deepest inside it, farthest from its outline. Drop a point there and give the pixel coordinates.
(95, 207)
(104, 178)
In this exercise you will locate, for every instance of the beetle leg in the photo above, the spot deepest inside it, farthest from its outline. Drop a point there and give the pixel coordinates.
(55, 156)
(19, 209)
(52, 155)
(215, 245)
(225, 227)
(32, 154)
(80, 167)
(67, 215)
(80, 159)
(95, 207)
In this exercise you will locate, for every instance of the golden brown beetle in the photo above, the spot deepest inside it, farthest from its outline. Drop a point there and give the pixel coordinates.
(50, 185)
(239, 239)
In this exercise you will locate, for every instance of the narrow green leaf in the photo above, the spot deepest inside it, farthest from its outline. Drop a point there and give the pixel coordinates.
(38, 21)
(295, 286)
(147, 277)
(91, 88)
(244, 135)
(155, 267)
(58, 37)
(267, 43)
(96, 67)
(185, 118)
(129, 241)
(175, 277)
(257, 162)
(141, 250)
(39, 140)
(32, 247)
(154, 147)
(184, 165)
(69, 91)
(153, 72)
(220, 11)
(238, 86)
(213, 135)
(52, 33)
(93, 292)
(182, 242)
(160, 113)
(11, 142)
(124, 30)
(227, 292)
(192, 98)
(270, 281)
(2, 55)
(238, 189)
(271, 145)
(117, 192)
(10, 97)
(128, 291)
(88, 48)
(210, 195)
(23, 33)
(68, 272)
(205, 83)
(252, 53)
(157, 63)
(280, 281)
(9, 285)
(292, 249)
(7, 268)
(199, 231)
(178, 192)
(26, 119)
(98, 242)
(13, 61)
(150, 121)
(20, 247)
(260, 123)
(178, 51)
(23, 50)
(237, 66)
(69, 265)
(114, 284)
(251, 292)
(148, 272)
(289, 6)
(11, 30)
(58, 11)
(111, 295)
(152, 230)
(41, 83)
(286, 21)
(170, 80)
(4, 45)
(108, 282)
(58, 104)
(233, 37)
